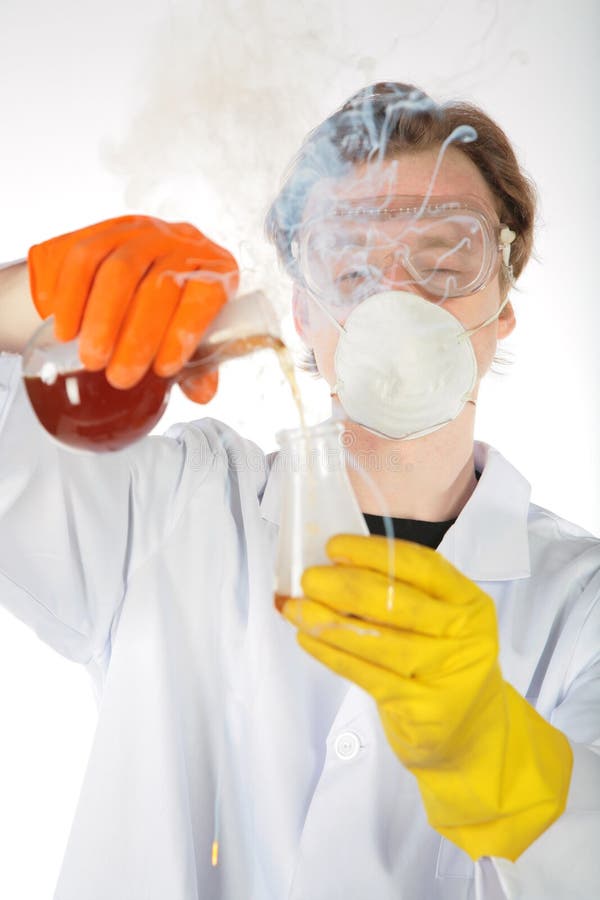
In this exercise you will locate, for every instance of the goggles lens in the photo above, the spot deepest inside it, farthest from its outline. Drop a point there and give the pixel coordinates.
(446, 252)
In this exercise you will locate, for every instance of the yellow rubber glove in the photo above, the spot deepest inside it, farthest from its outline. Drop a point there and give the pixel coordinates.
(493, 774)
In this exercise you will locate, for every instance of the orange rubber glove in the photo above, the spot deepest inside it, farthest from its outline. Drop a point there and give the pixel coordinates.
(493, 774)
(113, 285)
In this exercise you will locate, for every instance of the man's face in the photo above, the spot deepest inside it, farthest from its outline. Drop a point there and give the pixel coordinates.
(408, 175)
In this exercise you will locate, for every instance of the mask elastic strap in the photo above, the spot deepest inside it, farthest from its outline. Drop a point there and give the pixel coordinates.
(466, 334)
(326, 312)
(462, 336)
(468, 398)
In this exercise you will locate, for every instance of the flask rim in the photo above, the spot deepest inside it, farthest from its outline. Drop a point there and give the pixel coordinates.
(329, 427)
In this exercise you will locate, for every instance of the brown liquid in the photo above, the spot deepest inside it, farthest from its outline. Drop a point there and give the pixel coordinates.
(105, 418)
(207, 358)
(280, 599)
(83, 410)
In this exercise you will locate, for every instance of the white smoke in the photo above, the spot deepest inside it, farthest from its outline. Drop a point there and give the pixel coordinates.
(234, 86)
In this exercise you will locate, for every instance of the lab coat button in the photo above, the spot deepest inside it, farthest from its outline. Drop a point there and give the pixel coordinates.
(347, 745)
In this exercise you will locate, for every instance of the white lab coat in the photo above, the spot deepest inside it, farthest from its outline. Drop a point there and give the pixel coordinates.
(153, 568)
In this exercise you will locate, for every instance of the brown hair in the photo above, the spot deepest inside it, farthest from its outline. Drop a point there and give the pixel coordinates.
(384, 120)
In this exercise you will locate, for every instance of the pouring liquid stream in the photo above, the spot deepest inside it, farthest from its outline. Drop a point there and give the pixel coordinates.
(82, 410)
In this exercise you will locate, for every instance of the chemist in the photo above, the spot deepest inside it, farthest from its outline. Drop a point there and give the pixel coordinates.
(441, 746)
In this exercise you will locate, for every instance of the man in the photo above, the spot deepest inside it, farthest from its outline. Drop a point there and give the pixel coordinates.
(436, 739)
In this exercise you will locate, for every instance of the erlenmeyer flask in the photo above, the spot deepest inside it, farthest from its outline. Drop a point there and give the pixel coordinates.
(81, 410)
(317, 501)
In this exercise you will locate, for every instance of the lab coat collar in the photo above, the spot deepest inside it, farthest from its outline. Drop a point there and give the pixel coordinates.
(489, 540)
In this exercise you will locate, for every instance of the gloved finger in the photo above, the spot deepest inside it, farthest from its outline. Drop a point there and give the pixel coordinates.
(79, 267)
(201, 388)
(45, 261)
(414, 564)
(377, 598)
(416, 715)
(190, 232)
(364, 674)
(171, 309)
(75, 279)
(146, 321)
(111, 295)
(394, 652)
(199, 304)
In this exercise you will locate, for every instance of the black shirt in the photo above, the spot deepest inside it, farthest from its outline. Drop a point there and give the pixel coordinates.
(420, 532)
(428, 533)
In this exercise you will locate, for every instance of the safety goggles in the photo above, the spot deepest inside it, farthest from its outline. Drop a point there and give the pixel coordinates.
(447, 248)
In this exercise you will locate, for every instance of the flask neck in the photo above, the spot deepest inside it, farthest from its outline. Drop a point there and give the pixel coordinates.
(318, 449)
(245, 324)
(208, 357)
(328, 433)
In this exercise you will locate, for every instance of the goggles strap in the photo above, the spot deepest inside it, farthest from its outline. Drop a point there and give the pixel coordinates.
(507, 236)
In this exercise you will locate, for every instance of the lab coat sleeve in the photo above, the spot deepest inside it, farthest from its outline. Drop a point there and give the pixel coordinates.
(64, 524)
(565, 860)
(73, 526)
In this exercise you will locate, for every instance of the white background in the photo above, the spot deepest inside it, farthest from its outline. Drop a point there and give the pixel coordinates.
(192, 110)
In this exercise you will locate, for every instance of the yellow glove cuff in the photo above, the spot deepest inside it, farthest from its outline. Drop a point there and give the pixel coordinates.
(508, 790)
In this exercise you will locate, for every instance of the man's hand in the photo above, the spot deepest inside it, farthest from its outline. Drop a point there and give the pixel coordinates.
(405, 625)
(138, 291)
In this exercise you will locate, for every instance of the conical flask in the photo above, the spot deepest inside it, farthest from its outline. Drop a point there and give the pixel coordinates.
(317, 502)
(82, 411)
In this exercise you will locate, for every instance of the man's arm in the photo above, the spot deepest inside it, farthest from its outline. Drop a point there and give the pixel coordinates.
(67, 532)
(18, 315)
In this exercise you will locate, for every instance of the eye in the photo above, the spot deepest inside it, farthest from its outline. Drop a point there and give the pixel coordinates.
(352, 286)
(353, 275)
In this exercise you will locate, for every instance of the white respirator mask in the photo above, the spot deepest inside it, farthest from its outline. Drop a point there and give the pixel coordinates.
(404, 366)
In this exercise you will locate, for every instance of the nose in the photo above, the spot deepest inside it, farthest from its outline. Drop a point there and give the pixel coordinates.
(394, 269)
